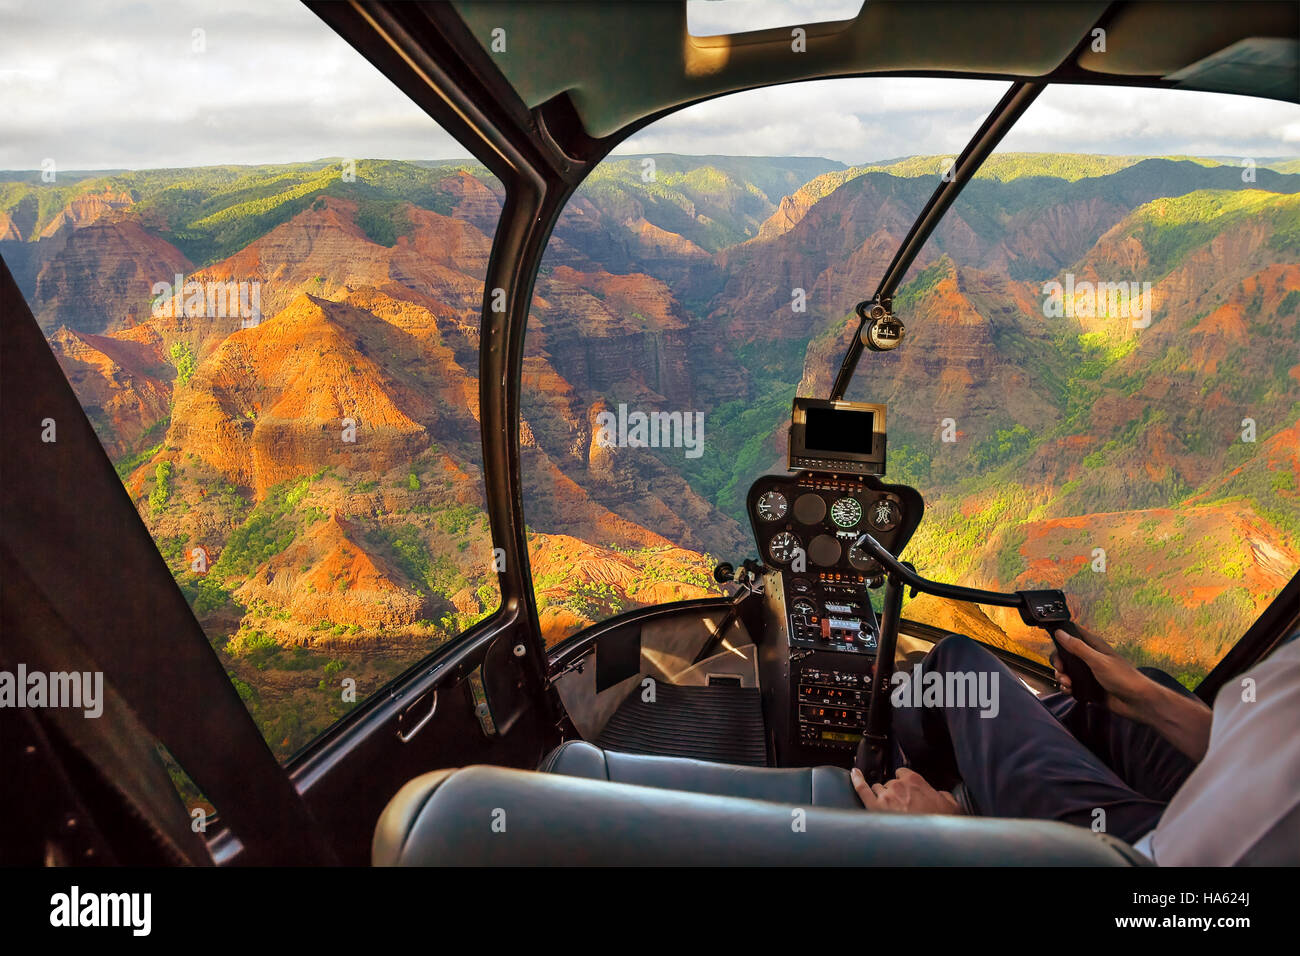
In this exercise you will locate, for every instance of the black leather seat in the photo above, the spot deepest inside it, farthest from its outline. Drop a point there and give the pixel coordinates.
(797, 786)
(497, 816)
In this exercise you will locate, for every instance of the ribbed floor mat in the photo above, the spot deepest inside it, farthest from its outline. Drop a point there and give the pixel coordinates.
(722, 723)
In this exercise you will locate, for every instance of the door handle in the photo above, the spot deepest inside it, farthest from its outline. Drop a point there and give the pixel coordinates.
(405, 737)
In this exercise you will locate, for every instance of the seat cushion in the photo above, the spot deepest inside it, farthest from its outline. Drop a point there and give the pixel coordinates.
(796, 786)
(492, 816)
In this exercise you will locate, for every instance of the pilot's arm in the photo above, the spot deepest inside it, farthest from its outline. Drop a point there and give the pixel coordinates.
(1183, 721)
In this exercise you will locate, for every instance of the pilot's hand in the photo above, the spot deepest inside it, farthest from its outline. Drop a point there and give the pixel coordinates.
(1127, 688)
(906, 793)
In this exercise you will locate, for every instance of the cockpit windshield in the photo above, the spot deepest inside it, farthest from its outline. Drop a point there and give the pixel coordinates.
(672, 314)
(1095, 391)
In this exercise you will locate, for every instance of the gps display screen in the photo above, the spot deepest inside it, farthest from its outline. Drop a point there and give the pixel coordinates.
(839, 430)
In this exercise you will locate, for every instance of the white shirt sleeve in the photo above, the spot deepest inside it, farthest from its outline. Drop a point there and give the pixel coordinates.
(1242, 802)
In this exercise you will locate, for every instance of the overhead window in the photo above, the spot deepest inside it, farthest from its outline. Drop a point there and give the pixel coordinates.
(719, 17)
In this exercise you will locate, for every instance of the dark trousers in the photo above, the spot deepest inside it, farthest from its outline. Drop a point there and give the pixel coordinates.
(1052, 758)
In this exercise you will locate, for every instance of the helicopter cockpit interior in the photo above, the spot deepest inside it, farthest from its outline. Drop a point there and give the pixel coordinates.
(774, 701)
(387, 479)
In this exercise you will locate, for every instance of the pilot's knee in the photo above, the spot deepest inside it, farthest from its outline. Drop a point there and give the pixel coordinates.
(957, 651)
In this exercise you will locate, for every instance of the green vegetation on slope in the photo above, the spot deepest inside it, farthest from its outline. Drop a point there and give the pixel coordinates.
(213, 211)
(1171, 228)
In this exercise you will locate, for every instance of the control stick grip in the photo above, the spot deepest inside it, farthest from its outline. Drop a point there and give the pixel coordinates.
(1046, 609)
(1084, 685)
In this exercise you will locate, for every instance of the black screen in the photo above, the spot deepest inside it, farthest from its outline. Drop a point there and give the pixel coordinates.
(833, 430)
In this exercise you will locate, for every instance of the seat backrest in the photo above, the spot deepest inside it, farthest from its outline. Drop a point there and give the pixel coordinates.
(497, 816)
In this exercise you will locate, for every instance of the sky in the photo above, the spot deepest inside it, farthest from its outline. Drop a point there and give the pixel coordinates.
(129, 84)
(711, 17)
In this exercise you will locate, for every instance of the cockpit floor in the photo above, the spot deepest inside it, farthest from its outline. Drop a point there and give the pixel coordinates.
(721, 723)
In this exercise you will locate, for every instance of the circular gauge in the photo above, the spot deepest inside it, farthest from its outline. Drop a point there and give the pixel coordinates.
(824, 550)
(862, 561)
(846, 512)
(772, 506)
(800, 586)
(803, 606)
(885, 514)
(809, 509)
(783, 547)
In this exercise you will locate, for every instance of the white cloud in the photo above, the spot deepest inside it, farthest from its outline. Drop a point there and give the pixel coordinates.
(867, 119)
(852, 120)
(97, 86)
(100, 86)
(1122, 120)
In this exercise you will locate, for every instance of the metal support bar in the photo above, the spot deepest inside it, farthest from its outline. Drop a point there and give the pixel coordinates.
(873, 753)
(720, 633)
(1009, 109)
(913, 580)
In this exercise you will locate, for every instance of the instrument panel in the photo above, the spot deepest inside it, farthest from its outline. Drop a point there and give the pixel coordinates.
(806, 523)
(819, 669)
